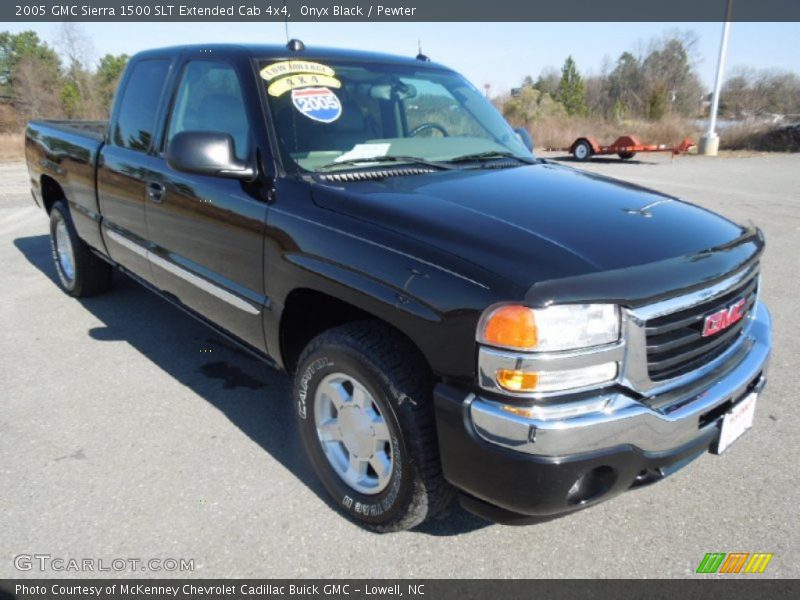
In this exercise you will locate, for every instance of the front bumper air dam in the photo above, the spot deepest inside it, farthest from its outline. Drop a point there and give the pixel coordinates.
(509, 466)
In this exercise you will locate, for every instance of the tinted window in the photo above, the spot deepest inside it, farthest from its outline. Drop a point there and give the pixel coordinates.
(137, 114)
(210, 98)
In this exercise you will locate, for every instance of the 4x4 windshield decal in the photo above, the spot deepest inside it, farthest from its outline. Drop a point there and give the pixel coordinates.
(291, 74)
(291, 82)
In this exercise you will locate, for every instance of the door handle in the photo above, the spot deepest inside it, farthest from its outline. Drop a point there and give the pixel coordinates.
(155, 191)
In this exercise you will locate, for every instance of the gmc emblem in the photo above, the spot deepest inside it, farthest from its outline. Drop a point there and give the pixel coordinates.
(722, 319)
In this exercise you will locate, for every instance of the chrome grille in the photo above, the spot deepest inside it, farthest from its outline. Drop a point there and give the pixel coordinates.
(675, 342)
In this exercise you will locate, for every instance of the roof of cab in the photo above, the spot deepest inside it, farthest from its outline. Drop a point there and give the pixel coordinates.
(281, 52)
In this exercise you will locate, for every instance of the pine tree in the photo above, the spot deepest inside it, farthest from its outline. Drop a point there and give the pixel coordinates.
(571, 92)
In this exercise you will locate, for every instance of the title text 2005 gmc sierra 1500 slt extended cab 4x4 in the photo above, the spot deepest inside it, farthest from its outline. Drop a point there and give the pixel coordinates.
(461, 319)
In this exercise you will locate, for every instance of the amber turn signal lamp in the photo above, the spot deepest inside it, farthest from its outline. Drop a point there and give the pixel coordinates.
(521, 411)
(511, 326)
(517, 381)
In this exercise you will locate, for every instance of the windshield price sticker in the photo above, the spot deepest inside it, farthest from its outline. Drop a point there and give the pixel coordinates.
(318, 104)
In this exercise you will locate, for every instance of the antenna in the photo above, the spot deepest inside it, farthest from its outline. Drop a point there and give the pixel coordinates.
(286, 21)
(420, 55)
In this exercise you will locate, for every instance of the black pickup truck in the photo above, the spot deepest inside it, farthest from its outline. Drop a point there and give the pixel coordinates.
(461, 318)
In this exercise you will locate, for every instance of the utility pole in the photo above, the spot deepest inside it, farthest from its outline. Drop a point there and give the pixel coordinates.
(709, 141)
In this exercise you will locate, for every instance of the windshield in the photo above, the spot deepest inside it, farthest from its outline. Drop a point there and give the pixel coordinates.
(333, 116)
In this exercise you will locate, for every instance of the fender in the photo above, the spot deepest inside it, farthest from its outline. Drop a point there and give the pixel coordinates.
(437, 305)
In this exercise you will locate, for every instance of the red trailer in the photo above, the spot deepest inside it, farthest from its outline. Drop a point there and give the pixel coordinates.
(625, 147)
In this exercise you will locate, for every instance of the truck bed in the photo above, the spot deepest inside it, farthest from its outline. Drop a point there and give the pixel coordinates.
(62, 159)
(93, 129)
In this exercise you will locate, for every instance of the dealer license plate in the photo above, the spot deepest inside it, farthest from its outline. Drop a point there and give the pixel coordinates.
(735, 422)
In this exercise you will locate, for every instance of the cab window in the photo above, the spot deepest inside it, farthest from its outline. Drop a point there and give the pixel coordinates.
(139, 105)
(210, 98)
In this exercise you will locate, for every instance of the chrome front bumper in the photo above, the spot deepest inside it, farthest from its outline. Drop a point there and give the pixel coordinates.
(654, 424)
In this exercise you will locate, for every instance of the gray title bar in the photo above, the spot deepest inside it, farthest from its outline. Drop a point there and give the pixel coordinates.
(421, 589)
(397, 10)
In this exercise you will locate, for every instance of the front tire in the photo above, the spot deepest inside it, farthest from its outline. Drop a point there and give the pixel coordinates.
(363, 404)
(80, 272)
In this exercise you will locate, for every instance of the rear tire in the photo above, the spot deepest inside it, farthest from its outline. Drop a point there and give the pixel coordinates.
(627, 155)
(582, 151)
(366, 391)
(80, 272)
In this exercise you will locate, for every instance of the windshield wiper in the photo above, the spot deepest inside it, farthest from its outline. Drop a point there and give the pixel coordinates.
(416, 160)
(491, 155)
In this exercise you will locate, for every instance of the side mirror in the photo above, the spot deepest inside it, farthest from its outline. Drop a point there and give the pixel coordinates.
(207, 153)
(525, 137)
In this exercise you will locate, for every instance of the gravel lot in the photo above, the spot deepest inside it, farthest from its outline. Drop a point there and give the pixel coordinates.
(128, 430)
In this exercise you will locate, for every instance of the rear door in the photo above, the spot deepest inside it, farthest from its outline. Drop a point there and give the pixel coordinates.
(208, 232)
(126, 164)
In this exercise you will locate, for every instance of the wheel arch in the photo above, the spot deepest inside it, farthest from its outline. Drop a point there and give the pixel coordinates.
(51, 192)
(307, 312)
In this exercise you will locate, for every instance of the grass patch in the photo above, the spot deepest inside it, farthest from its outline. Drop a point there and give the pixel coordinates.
(761, 137)
(12, 146)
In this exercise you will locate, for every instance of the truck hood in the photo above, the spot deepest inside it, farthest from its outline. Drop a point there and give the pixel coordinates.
(533, 223)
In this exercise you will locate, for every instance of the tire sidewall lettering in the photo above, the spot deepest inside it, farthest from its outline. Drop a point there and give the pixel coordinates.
(302, 390)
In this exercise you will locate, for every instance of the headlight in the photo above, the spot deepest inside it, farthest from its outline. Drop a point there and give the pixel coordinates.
(558, 327)
(552, 350)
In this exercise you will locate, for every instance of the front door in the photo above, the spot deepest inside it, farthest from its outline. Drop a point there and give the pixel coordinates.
(208, 232)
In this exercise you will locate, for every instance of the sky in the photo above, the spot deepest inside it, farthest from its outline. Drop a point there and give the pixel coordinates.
(499, 54)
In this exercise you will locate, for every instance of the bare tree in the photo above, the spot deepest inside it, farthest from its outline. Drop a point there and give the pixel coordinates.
(78, 94)
(75, 45)
(651, 83)
(754, 93)
(36, 90)
(669, 76)
(623, 88)
(548, 81)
